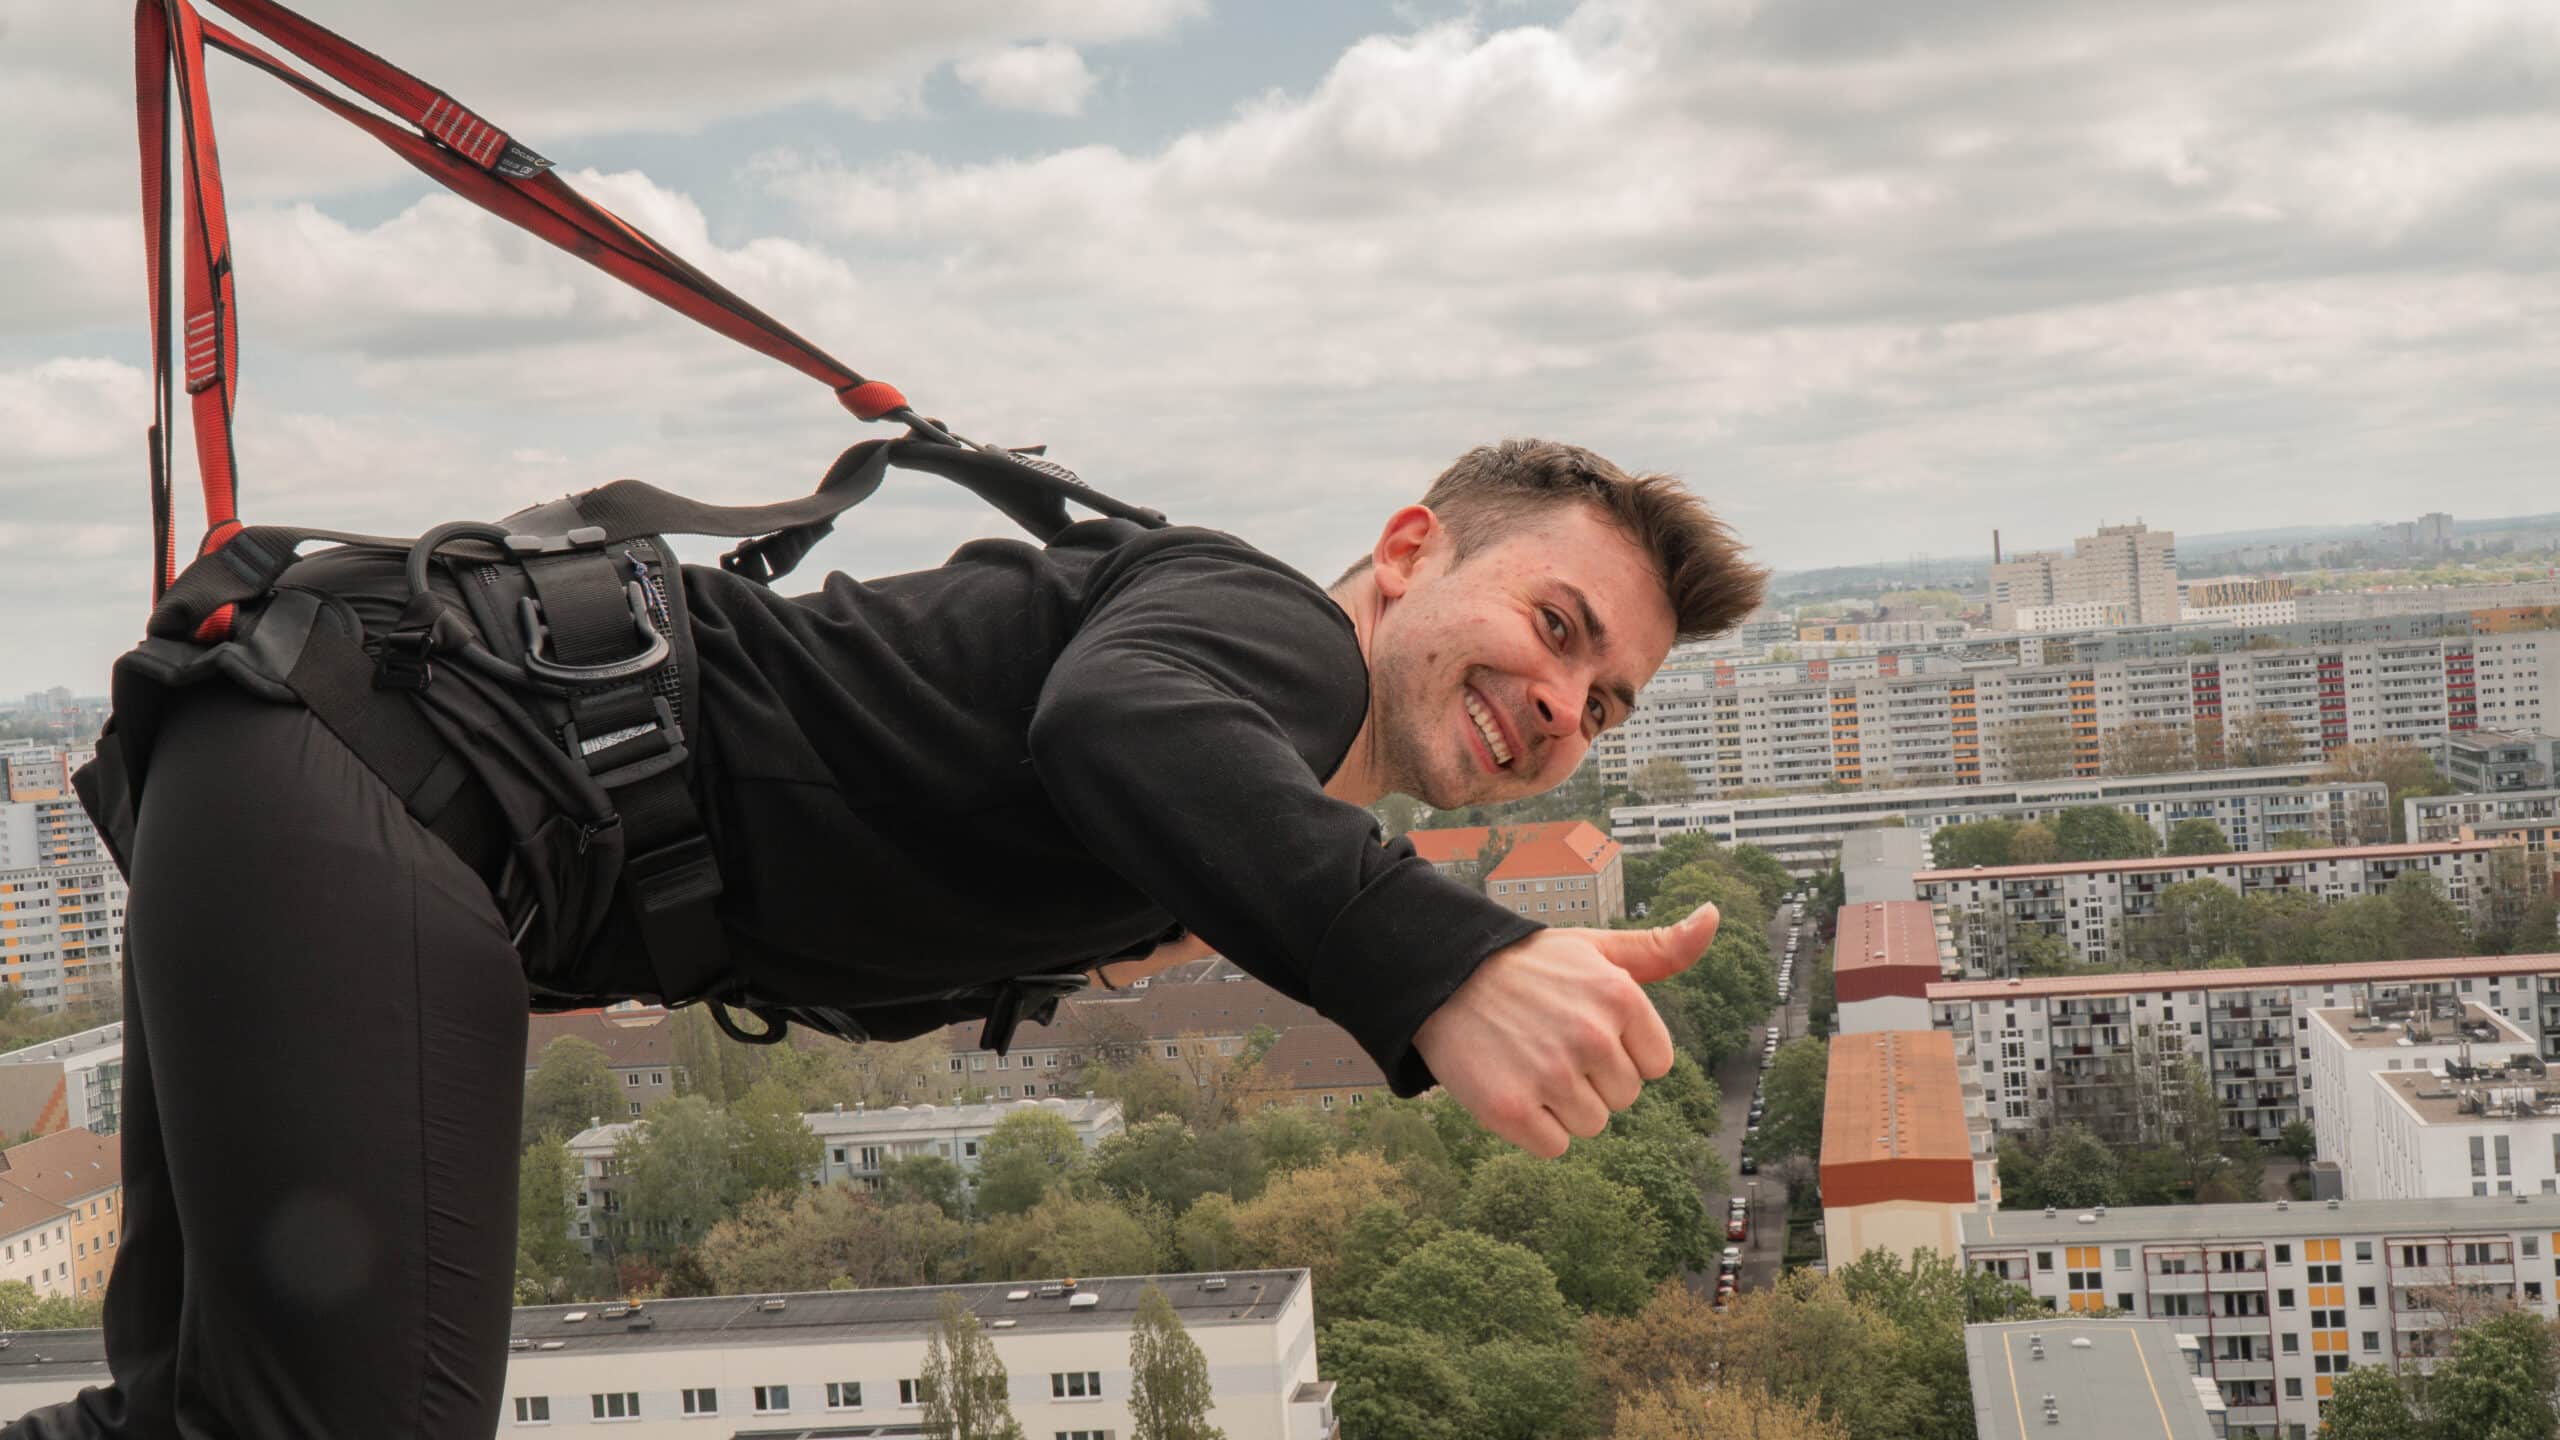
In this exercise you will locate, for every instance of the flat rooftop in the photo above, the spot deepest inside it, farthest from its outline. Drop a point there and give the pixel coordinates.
(2109, 1379)
(2264, 977)
(2459, 1215)
(2477, 1026)
(1251, 1297)
(2438, 1099)
(2251, 860)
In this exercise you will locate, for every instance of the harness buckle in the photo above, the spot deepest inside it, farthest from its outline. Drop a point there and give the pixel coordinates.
(537, 638)
(403, 664)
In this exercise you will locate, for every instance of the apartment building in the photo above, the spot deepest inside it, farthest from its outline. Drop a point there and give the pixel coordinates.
(1884, 957)
(2091, 1380)
(2252, 806)
(1319, 1067)
(62, 933)
(2103, 1050)
(83, 1175)
(1192, 1020)
(2380, 1137)
(73, 1082)
(1878, 863)
(2455, 817)
(2285, 1297)
(849, 1363)
(2132, 569)
(2495, 761)
(1560, 872)
(2426, 600)
(857, 1146)
(2088, 904)
(41, 822)
(1967, 725)
(35, 1241)
(639, 1046)
(1901, 1159)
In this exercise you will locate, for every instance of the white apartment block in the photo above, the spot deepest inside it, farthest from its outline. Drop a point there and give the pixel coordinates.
(2256, 612)
(35, 1240)
(1805, 832)
(849, 1363)
(2103, 1050)
(2286, 1297)
(2087, 904)
(62, 933)
(858, 1145)
(1923, 720)
(2073, 615)
(2130, 569)
(2424, 599)
(2387, 1143)
(2450, 817)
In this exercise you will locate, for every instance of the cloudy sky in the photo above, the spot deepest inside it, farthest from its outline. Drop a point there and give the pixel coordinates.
(1874, 278)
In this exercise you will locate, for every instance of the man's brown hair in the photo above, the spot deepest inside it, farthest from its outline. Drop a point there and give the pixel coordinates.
(1493, 489)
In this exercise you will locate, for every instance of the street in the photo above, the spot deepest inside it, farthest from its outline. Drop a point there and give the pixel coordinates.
(1735, 1077)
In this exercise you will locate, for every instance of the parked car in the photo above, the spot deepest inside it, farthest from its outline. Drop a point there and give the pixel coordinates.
(1749, 1165)
(1732, 1259)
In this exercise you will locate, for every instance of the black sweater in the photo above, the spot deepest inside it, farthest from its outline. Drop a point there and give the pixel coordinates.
(1027, 760)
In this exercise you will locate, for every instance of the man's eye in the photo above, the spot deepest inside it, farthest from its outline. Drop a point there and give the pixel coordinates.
(1599, 713)
(1556, 627)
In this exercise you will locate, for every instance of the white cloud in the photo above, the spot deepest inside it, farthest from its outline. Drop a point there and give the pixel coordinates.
(1049, 79)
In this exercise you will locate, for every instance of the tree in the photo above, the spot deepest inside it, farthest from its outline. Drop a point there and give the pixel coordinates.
(546, 1258)
(1662, 1171)
(2243, 1178)
(2067, 1168)
(2399, 765)
(926, 1179)
(2037, 747)
(1468, 1288)
(816, 1239)
(21, 1308)
(2370, 1403)
(2192, 924)
(679, 1177)
(964, 1379)
(2427, 925)
(2294, 840)
(2034, 843)
(2197, 835)
(1165, 1161)
(2194, 1125)
(1972, 842)
(1663, 780)
(2498, 1383)
(1599, 1237)
(1394, 1381)
(1025, 1154)
(2102, 832)
(775, 1148)
(1064, 1235)
(1525, 1390)
(1206, 1233)
(1287, 1138)
(1474, 874)
(2144, 747)
(1303, 1217)
(2299, 1141)
(1144, 1087)
(2261, 737)
(571, 1089)
(1689, 1411)
(1168, 1376)
(1791, 1123)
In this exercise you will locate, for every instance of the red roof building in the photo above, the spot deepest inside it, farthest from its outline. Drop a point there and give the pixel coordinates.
(1900, 1160)
(1563, 872)
(1884, 957)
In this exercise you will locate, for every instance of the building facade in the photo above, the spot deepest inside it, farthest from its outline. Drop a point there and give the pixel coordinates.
(2088, 904)
(75, 1081)
(1559, 872)
(2132, 568)
(83, 1174)
(2105, 1050)
(1884, 957)
(2453, 817)
(638, 1042)
(1901, 1158)
(2285, 1297)
(2486, 762)
(2352, 1057)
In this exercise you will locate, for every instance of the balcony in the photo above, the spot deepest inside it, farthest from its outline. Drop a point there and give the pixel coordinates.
(2252, 1279)
(2178, 1282)
(2260, 1367)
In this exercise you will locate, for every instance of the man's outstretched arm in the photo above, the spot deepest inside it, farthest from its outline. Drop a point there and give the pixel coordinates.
(1553, 1033)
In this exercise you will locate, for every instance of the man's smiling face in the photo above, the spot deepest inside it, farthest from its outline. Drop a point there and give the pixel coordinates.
(1491, 676)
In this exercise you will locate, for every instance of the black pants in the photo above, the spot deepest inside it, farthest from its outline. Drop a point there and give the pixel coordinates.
(324, 1078)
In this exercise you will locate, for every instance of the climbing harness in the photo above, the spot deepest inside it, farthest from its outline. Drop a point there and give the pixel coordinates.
(567, 618)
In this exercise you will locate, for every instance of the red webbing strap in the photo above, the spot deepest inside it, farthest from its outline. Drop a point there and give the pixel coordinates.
(453, 146)
(168, 37)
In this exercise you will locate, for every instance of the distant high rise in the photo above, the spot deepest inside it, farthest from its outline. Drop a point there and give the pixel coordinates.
(61, 938)
(2126, 572)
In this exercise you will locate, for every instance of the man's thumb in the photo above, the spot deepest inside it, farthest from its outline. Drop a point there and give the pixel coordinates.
(1664, 950)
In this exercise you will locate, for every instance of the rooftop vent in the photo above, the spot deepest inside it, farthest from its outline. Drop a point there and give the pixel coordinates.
(1083, 1302)
(1017, 1294)
(1004, 1324)
(2052, 1410)
(2082, 1342)
(776, 1303)
(573, 1317)
(2284, 1205)
(551, 1345)
(2048, 1212)
(616, 1312)
(521, 1342)
(642, 1322)
(1214, 1282)
(2085, 1218)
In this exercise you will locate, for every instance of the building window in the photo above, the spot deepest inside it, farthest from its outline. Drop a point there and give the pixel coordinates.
(533, 1409)
(1075, 1384)
(635, 1107)
(2284, 1254)
(617, 1405)
(632, 1079)
(1084, 1435)
(772, 1399)
(911, 1392)
(1173, 1052)
(957, 1062)
(844, 1394)
(2364, 1296)
(2364, 1254)
(2124, 1261)
(969, 1148)
(705, 1401)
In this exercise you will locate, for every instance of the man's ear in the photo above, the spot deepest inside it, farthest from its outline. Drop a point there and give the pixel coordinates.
(1401, 547)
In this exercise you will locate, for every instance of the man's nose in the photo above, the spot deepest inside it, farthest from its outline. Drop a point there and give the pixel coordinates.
(1557, 716)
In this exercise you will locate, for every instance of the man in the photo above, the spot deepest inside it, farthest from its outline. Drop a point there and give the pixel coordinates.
(1128, 743)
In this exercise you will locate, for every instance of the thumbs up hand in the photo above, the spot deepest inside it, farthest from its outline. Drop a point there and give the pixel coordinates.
(1553, 1033)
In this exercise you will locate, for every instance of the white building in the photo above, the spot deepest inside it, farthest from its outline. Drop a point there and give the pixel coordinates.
(2130, 570)
(2285, 1297)
(75, 1082)
(2087, 904)
(2450, 817)
(1805, 832)
(2101, 1050)
(847, 1363)
(35, 1240)
(2355, 1051)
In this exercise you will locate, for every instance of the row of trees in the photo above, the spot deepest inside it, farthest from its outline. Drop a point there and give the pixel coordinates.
(964, 1385)
(2495, 1385)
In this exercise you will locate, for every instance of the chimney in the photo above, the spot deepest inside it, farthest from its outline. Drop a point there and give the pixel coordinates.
(1995, 547)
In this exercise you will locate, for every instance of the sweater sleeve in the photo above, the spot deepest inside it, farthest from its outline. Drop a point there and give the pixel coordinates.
(1186, 734)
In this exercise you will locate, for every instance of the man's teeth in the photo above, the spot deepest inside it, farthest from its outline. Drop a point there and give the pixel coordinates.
(1492, 734)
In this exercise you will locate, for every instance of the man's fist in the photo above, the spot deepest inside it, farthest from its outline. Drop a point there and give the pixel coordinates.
(1553, 1033)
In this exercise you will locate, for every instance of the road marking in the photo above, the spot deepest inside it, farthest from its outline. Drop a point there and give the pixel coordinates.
(2016, 1403)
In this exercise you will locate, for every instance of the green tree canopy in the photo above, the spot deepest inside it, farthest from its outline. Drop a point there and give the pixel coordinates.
(928, 1179)
(776, 1149)
(1791, 1123)
(1165, 1161)
(1599, 1237)
(571, 1089)
(2197, 835)
(1169, 1395)
(2370, 1403)
(964, 1380)
(2067, 1168)
(1973, 842)
(1395, 1381)
(816, 1239)
(2429, 926)
(1288, 1137)
(679, 1174)
(2034, 843)
(2192, 924)
(1025, 1154)
(547, 1259)
(1063, 1235)
(2102, 832)
(2498, 1384)
(1468, 1288)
